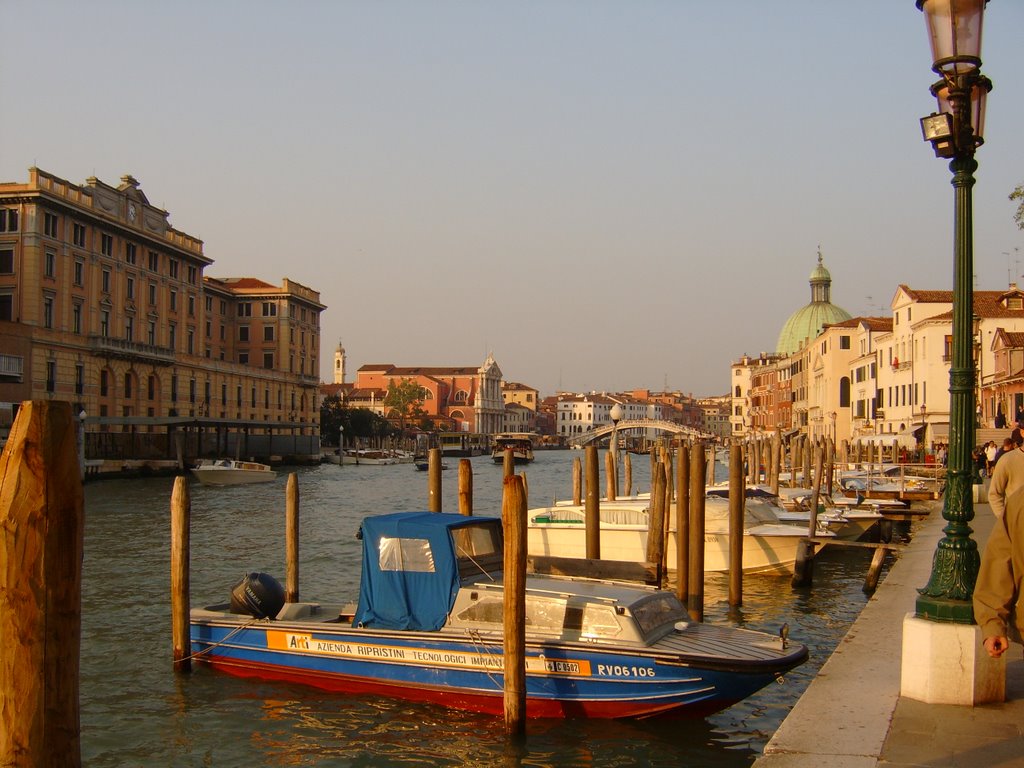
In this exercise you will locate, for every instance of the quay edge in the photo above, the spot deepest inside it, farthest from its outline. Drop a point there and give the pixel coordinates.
(852, 714)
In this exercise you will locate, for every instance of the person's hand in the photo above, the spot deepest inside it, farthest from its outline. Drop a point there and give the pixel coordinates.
(996, 646)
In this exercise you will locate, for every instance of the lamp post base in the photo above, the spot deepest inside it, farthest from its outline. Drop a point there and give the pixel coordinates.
(944, 609)
(945, 663)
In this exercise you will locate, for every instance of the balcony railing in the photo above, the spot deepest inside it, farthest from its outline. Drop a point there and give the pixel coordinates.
(130, 350)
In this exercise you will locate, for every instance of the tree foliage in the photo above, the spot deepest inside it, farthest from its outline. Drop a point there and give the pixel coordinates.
(1018, 196)
(356, 422)
(404, 401)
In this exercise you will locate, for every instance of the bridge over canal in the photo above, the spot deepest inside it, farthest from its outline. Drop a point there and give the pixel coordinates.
(638, 425)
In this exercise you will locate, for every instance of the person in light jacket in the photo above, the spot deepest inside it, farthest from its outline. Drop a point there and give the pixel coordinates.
(1007, 477)
(997, 593)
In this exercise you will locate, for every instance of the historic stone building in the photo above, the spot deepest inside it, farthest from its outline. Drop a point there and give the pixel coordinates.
(459, 399)
(104, 304)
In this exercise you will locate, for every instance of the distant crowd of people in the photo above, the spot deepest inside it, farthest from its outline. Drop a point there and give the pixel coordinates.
(986, 457)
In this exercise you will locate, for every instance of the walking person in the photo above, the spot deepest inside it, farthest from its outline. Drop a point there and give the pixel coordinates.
(990, 457)
(1007, 477)
(1006, 447)
(997, 592)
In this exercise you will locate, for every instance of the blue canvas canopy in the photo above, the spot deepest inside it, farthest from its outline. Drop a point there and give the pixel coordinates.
(410, 570)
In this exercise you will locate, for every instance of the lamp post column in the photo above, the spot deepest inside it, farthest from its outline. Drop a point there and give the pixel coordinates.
(947, 596)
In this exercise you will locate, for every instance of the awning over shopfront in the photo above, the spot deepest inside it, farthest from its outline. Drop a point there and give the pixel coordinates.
(904, 439)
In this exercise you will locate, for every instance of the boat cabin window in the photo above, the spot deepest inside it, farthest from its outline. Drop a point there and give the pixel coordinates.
(478, 549)
(542, 615)
(405, 555)
(657, 611)
(600, 621)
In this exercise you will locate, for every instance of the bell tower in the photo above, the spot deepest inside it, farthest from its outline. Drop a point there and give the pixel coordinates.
(339, 364)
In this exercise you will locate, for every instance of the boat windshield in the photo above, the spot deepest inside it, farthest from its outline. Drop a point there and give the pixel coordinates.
(478, 548)
(657, 610)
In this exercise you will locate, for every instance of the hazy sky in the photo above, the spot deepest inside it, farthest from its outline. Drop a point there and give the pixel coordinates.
(604, 195)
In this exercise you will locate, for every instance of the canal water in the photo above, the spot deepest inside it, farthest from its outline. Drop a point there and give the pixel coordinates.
(135, 711)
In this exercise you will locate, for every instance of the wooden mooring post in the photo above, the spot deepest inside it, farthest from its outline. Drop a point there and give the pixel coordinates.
(577, 481)
(611, 491)
(803, 568)
(695, 596)
(656, 522)
(683, 523)
(737, 502)
(627, 471)
(776, 461)
(41, 546)
(592, 511)
(291, 539)
(465, 487)
(513, 515)
(181, 514)
(434, 480)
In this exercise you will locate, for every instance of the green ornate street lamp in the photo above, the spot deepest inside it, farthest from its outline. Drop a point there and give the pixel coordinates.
(955, 131)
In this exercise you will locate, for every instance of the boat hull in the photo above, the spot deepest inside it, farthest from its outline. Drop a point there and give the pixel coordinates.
(233, 478)
(518, 457)
(766, 549)
(683, 675)
(227, 472)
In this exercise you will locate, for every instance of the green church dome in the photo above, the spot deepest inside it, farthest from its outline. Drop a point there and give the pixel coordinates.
(807, 322)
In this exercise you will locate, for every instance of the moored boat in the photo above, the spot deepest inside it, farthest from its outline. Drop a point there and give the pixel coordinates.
(769, 546)
(428, 627)
(520, 444)
(376, 456)
(232, 472)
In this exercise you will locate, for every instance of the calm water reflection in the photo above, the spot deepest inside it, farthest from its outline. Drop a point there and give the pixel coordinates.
(135, 711)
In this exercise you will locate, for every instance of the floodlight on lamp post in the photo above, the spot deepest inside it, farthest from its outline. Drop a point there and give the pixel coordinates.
(955, 132)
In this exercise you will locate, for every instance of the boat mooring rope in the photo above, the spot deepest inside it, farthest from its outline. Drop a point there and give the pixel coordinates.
(226, 638)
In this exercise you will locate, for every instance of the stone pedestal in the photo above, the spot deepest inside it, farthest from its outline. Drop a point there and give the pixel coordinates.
(945, 663)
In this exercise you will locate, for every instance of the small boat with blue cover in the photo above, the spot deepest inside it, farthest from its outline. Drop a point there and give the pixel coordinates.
(428, 627)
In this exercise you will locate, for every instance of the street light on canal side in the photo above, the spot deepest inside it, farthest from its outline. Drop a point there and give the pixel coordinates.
(943, 622)
(615, 414)
(955, 131)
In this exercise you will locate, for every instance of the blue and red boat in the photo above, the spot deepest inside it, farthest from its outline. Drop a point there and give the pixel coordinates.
(428, 627)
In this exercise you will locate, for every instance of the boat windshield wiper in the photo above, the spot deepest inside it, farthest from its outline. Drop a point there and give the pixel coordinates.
(462, 552)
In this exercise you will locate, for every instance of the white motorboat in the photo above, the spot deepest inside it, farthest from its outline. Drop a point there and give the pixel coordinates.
(232, 472)
(768, 545)
(848, 522)
(373, 456)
